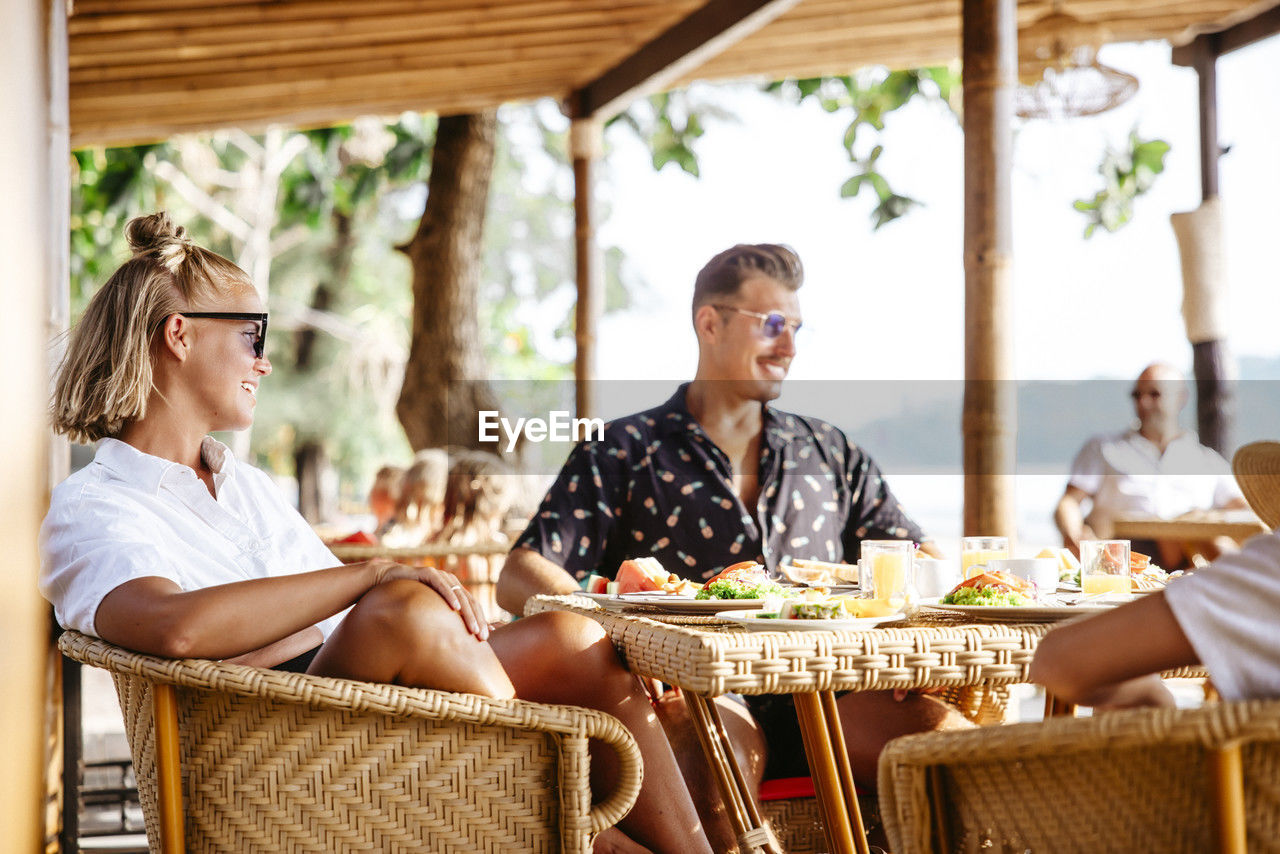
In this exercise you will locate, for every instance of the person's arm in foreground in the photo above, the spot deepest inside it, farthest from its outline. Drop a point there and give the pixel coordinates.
(527, 573)
(1069, 518)
(1114, 660)
(154, 615)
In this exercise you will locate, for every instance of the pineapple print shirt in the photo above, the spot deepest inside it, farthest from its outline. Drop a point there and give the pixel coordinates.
(657, 486)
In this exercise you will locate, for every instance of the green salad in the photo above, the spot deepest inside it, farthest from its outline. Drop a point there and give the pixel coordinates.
(731, 588)
(986, 596)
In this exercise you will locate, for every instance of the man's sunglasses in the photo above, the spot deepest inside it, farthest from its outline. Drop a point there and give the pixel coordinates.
(771, 324)
(259, 343)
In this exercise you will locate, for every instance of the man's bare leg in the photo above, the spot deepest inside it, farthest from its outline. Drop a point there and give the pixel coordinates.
(558, 657)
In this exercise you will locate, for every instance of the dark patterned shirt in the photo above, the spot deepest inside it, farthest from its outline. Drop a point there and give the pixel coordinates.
(657, 486)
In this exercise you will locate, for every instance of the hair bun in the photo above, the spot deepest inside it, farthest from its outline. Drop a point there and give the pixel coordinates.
(157, 233)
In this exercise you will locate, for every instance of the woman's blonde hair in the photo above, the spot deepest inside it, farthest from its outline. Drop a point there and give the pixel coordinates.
(422, 491)
(479, 494)
(106, 375)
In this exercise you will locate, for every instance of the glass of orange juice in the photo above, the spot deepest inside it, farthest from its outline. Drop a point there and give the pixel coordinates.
(886, 570)
(1104, 567)
(976, 551)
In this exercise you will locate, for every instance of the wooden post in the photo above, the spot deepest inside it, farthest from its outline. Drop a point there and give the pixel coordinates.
(1226, 787)
(32, 233)
(989, 421)
(1210, 358)
(585, 145)
(168, 769)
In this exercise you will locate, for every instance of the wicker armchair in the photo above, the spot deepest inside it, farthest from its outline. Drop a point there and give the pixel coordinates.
(1141, 780)
(242, 759)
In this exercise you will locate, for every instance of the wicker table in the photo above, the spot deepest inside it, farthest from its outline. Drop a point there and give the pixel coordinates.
(707, 659)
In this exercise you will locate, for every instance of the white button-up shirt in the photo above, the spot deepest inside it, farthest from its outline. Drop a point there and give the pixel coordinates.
(131, 515)
(1228, 612)
(1127, 475)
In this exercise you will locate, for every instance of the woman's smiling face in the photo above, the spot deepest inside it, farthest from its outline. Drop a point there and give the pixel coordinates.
(225, 369)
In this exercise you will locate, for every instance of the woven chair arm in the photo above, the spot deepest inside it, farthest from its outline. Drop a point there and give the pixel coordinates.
(354, 696)
(1210, 726)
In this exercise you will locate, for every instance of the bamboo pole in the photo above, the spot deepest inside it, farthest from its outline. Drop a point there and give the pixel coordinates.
(989, 49)
(30, 233)
(1226, 787)
(585, 145)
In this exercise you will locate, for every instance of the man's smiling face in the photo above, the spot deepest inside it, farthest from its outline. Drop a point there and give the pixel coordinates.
(741, 352)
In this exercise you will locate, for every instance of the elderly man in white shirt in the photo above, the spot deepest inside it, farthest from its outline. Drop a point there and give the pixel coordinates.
(1222, 616)
(1158, 470)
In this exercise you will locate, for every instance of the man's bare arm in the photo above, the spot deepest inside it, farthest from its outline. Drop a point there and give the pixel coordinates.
(1070, 518)
(1108, 660)
(527, 573)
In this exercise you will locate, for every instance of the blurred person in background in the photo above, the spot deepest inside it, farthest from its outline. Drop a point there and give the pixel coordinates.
(477, 499)
(1155, 469)
(420, 510)
(384, 497)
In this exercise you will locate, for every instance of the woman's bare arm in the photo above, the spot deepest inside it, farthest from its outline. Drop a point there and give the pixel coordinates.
(1108, 660)
(154, 615)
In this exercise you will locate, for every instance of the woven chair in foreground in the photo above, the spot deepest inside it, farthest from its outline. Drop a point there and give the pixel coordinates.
(242, 759)
(1126, 781)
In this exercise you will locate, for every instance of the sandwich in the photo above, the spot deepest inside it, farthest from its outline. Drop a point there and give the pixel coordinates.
(745, 580)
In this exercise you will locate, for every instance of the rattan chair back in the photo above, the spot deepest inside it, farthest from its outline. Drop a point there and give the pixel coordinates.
(1140, 780)
(285, 762)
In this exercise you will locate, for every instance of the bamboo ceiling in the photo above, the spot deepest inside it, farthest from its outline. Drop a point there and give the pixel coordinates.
(146, 69)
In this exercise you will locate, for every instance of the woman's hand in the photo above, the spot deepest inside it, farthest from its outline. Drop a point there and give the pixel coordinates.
(444, 583)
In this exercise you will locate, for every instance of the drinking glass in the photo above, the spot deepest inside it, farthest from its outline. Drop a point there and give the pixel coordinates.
(887, 570)
(1104, 567)
(976, 551)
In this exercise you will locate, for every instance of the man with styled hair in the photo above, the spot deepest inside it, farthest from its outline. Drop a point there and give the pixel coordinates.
(715, 476)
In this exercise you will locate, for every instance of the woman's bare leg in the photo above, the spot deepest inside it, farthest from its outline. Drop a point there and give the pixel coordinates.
(558, 657)
(403, 633)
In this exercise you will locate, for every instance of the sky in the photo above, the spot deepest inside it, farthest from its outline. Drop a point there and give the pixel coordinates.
(888, 304)
(1082, 308)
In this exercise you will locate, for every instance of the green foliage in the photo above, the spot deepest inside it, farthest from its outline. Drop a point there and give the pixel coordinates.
(870, 97)
(109, 186)
(1126, 173)
(669, 123)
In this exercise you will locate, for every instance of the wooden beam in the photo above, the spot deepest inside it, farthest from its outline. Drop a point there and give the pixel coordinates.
(1259, 27)
(691, 42)
(989, 419)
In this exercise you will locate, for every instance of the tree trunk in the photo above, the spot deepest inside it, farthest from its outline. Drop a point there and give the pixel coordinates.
(340, 252)
(311, 462)
(444, 379)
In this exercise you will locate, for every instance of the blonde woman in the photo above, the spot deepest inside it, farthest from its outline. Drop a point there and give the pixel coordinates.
(168, 545)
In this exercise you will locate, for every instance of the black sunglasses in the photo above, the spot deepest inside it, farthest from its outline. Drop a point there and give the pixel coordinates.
(771, 324)
(259, 343)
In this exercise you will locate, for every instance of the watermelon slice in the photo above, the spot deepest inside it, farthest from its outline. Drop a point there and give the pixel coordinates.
(641, 575)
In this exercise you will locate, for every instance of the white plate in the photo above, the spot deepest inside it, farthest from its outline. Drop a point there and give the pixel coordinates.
(1023, 613)
(671, 602)
(754, 622)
